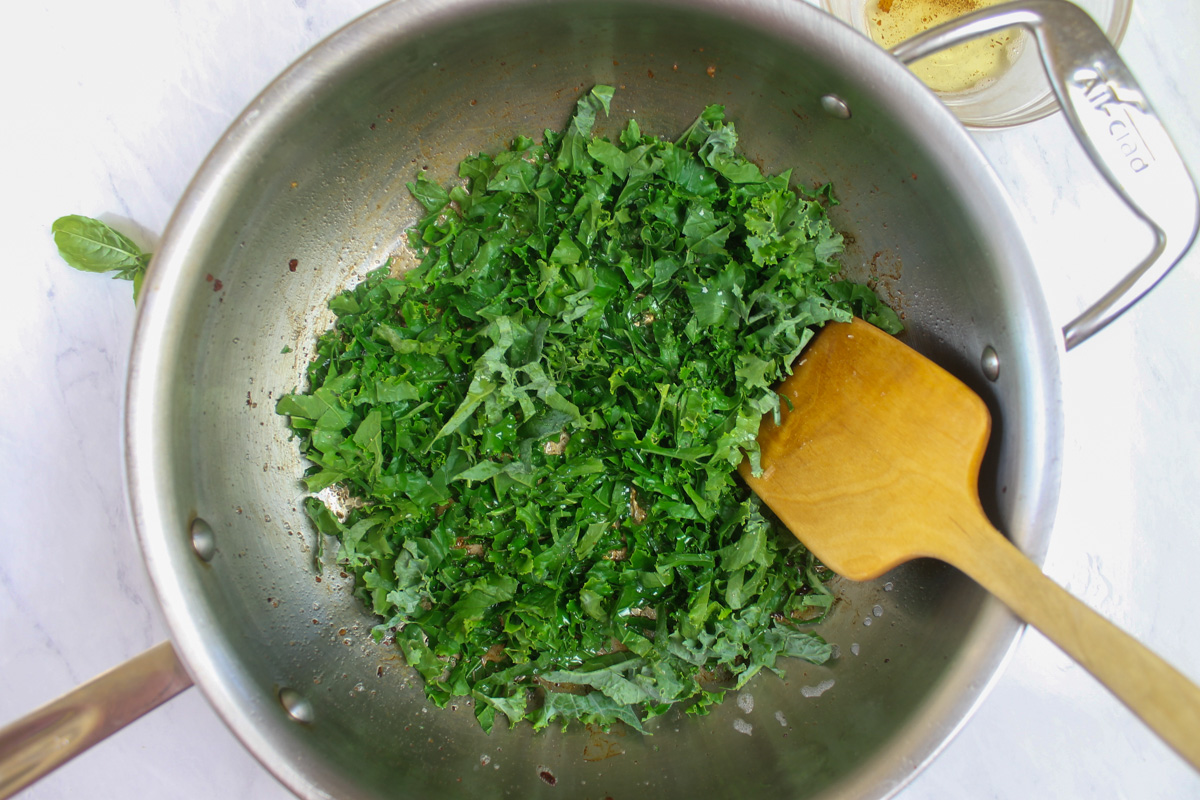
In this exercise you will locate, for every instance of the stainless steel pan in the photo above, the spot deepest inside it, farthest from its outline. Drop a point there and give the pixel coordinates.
(314, 172)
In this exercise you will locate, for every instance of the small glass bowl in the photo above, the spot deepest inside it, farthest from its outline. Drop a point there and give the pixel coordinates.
(1014, 90)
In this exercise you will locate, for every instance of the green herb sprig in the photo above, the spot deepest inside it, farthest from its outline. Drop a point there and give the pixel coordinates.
(539, 425)
(90, 245)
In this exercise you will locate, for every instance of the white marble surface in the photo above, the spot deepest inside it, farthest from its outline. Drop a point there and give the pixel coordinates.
(108, 110)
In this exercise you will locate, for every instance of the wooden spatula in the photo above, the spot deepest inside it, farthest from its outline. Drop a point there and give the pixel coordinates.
(877, 462)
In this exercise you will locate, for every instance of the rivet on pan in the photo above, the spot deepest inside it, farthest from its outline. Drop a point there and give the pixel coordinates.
(204, 542)
(990, 363)
(297, 706)
(835, 106)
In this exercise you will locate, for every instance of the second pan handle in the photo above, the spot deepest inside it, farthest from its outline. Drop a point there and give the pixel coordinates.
(48, 737)
(1114, 122)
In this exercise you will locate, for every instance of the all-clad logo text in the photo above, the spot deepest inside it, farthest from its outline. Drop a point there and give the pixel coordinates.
(1115, 100)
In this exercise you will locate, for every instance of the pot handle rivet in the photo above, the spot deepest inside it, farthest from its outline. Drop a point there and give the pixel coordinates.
(296, 705)
(204, 541)
(990, 363)
(835, 106)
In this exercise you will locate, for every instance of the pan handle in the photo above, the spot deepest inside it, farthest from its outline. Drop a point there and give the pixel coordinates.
(46, 738)
(1113, 121)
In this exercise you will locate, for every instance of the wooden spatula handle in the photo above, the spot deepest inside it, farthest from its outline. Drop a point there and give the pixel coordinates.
(1164, 699)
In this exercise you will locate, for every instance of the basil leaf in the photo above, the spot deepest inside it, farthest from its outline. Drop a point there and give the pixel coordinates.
(90, 245)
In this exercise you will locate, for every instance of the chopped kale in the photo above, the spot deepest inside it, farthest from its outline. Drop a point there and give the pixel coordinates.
(540, 424)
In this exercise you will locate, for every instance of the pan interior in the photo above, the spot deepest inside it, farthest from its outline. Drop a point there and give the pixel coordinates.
(306, 193)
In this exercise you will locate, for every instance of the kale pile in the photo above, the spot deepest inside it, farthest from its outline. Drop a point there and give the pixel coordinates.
(540, 424)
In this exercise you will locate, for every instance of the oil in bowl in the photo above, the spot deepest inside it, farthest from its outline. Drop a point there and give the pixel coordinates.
(992, 82)
(966, 67)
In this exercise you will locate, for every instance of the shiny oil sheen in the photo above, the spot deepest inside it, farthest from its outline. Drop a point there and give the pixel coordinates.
(305, 193)
(960, 69)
